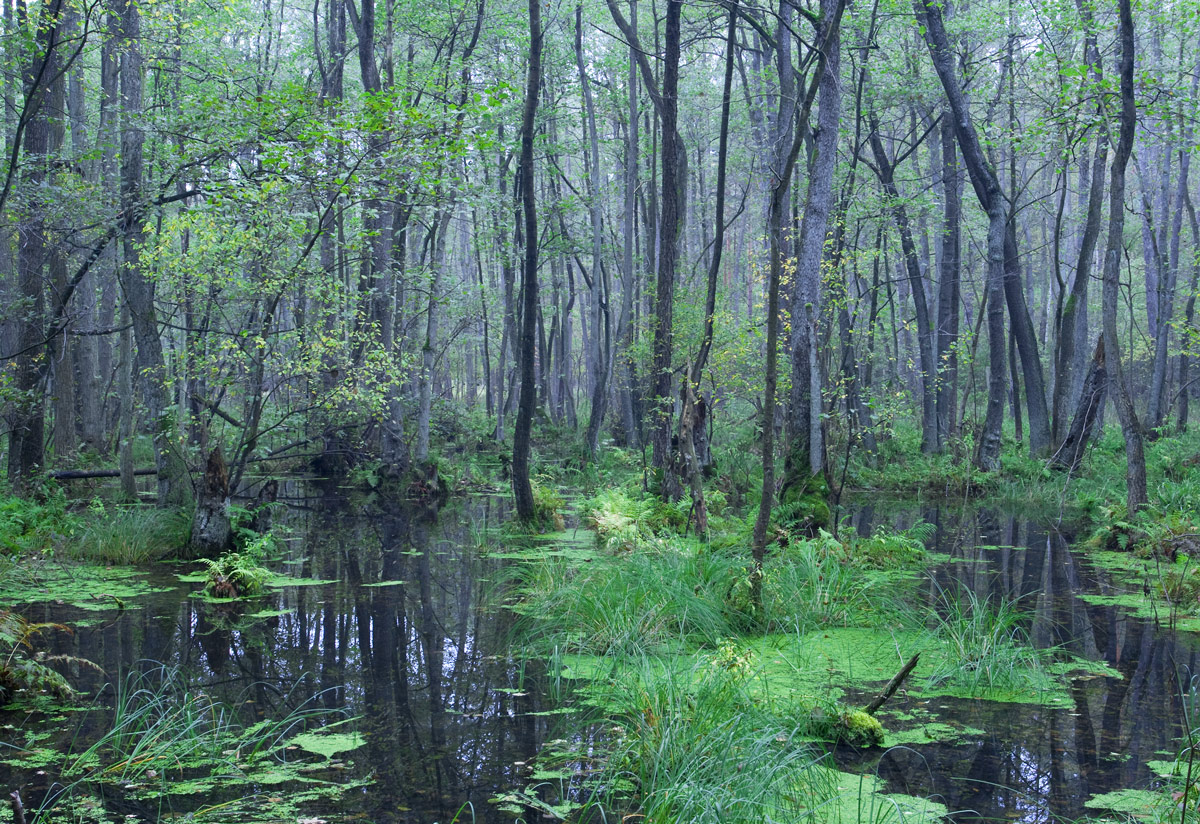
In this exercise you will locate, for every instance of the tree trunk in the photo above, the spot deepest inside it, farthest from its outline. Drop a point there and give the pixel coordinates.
(948, 286)
(925, 332)
(1188, 354)
(672, 159)
(1070, 454)
(27, 413)
(629, 420)
(831, 15)
(1135, 470)
(987, 189)
(1159, 404)
(522, 488)
(601, 325)
(212, 531)
(174, 489)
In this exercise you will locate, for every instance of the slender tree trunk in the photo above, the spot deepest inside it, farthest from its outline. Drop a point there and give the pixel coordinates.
(925, 331)
(27, 413)
(174, 489)
(1159, 404)
(602, 343)
(831, 16)
(522, 488)
(630, 422)
(987, 189)
(692, 418)
(673, 160)
(1070, 454)
(948, 286)
(1135, 471)
(1188, 354)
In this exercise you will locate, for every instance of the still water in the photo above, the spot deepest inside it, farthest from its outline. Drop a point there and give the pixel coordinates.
(403, 640)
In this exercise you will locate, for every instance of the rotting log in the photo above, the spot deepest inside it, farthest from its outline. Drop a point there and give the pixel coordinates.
(892, 686)
(84, 474)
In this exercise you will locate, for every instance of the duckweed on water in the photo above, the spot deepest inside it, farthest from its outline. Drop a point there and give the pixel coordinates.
(84, 586)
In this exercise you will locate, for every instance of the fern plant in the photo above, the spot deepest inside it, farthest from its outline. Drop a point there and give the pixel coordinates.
(22, 668)
(235, 575)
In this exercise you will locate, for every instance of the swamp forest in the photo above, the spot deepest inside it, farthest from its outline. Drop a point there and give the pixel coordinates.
(599, 411)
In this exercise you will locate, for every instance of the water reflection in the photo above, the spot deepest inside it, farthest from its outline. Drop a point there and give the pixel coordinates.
(1036, 763)
(405, 640)
(401, 640)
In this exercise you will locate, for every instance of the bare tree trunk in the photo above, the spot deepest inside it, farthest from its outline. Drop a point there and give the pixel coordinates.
(522, 489)
(602, 323)
(948, 286)
(1135, 471)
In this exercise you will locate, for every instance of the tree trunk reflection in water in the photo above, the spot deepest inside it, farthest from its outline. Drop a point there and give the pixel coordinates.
(1040, 762)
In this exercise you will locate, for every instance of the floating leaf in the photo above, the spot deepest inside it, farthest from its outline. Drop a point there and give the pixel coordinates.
(329, 744)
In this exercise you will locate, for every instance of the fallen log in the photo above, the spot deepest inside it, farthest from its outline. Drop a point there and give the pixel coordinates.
(82, 474)
(892, 686)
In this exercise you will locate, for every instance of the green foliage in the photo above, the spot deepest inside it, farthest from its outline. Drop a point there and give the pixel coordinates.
(692, 745)
(547, 507)
(623, 521)
(24, 669)
(657, 597)
(127, 535)
(987, 647)
(235, 575)
(169, 744)
(35, 525)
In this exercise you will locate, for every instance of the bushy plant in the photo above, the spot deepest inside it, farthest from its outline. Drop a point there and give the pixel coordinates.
(35, 525)
(692, 745)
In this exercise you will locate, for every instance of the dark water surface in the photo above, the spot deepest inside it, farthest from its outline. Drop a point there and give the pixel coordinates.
(451, 719)
(1037, 763)
(445, 712)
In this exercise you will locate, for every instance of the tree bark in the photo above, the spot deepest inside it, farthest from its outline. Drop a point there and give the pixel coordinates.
(672, 160)
(522, 488)
(987, 189)
(831, 18)
(948, 285)
(1135, 470)
(925, 331)
(1070, 454)
(602, 331)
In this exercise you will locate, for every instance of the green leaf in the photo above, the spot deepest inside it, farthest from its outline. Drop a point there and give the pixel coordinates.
(329, 744)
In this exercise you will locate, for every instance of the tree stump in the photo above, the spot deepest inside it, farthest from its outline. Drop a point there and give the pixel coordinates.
(211, 530)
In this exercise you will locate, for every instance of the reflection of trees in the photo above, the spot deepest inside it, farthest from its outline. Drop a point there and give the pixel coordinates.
(1036, 762)
(423, 663)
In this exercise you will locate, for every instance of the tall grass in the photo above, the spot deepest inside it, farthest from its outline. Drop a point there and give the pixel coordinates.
(658, 596)
(127, 535)
(986, 646)
(167, 735)
(693, 746)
